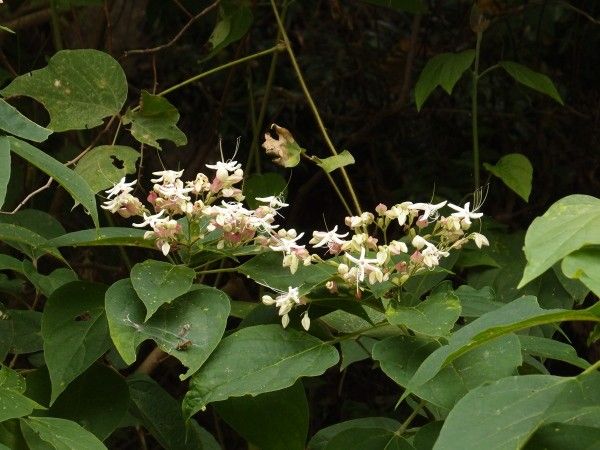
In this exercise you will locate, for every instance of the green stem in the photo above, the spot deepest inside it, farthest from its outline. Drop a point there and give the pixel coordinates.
(223, 270)
(488, 70)
(276, 48)
(590, 369)
(410, 418)
(56, 35)
(345, 337)
(474, 113)
(334, 185)
(313, 106)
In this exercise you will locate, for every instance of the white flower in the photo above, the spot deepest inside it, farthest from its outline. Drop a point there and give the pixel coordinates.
(321, 238)
(166, 176)
(430, 210)
(400, 212)
(305, 321)
(150, 220)
(431, 255)
(120, 188)
(287, 244)
(480, 240)
(229, 166)
(363, 264)
(397, 247)
(464, 214)
(419, 242)
(272, 201)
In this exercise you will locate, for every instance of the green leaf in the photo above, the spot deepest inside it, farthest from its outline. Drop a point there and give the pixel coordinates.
(427, 435)
(263, 185)
(78, 88)
(13, 122)
(356, 350)
(67, 178)
(515, 171)
(342, 159)
(14, 403)
(401, 356)
(584, 265)
(75, 332)
(411, 6)
(155, 119)
(28, 241)
(189, 328)
(569, 224)
(562, 436)
(435, 316)
(476, 302)
(549, 348)
(37, 221)
(286, 412)
(161, 415)
(235, 19)
(97, 400)
(504, 414)
(21, 331)
(368, 439)
(105, 236)
(47, 284)
(266, 269)
(104, 166)
(4, 168)
(61, 434)
(158, 282)
(321, 439)
(285, 356)
(442, 70)
(517, 315)
(532, 79)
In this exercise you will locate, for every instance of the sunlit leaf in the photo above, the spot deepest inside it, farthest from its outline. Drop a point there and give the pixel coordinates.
(515, 171)
(331, 163)
(584, 265)
(104, 166)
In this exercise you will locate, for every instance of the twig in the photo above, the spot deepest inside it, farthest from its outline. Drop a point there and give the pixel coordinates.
(152, 361)
(32, 194)
(177, 36)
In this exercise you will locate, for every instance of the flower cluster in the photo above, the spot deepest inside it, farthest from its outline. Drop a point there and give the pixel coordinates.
(285, 301)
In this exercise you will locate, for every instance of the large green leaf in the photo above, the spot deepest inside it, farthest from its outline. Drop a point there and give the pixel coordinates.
(286, 412)
(158, 282)
(13, 122)
(433, 317)
(155, 119)
(517, 315)
(401, 356)
(161, 415)
(584, 265)
(97, 400)
(442, 70)
(14, 403)
(104, 166)
(266, 269)
(78, 88)
(321, 439)
(189, 328)
(569, 224)
(67, 178)
(4, 168)
(516, 171)
(504, 414)
(104, 236)
(530, 78)
(284, 356)
(60, 434)
(75, 332)
(46, 284)
(558, 436)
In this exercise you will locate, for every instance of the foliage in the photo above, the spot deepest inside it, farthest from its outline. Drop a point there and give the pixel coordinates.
(192, 312)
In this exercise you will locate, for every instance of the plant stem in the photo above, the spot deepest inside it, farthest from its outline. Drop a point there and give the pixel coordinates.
(313, 106)
(334, 185)
(590, 369)
(474, 112)
(410, 418)
(276, 48)
(223, 270)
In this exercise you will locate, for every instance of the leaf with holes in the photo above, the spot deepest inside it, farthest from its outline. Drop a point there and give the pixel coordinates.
(79, 88)
(155, 119)
(189, 328)
(75, 332)
(284, 357)
(104, 166)
(158, 282)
